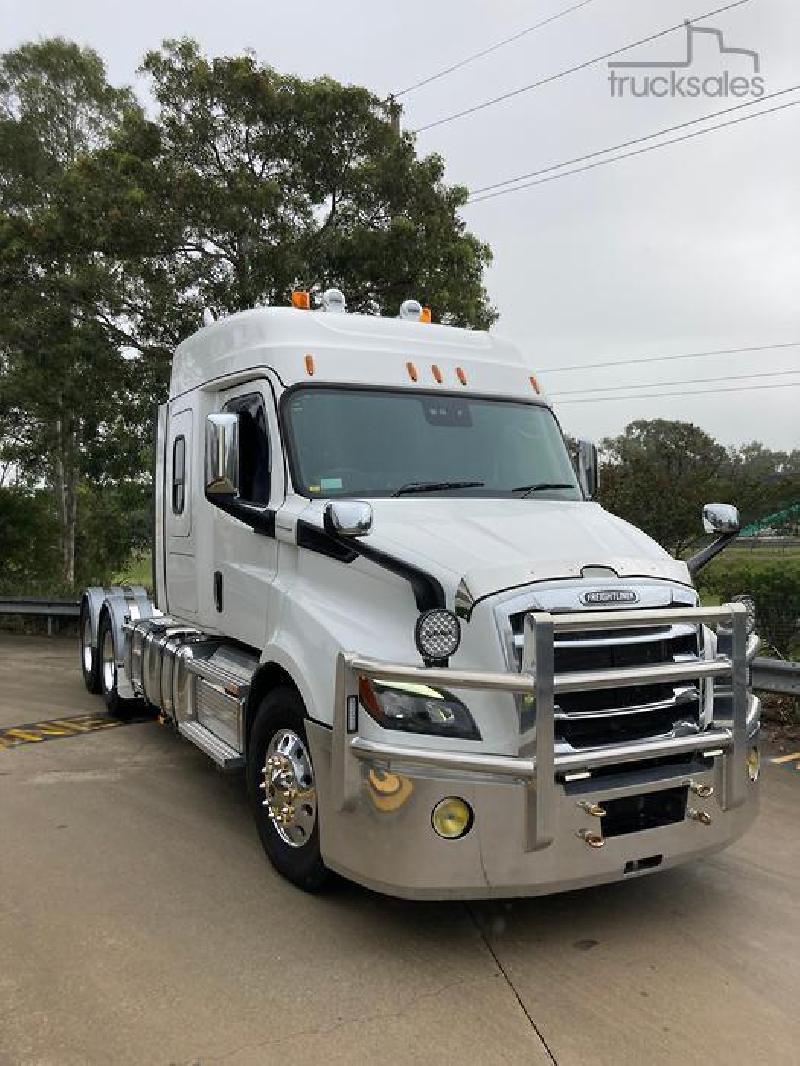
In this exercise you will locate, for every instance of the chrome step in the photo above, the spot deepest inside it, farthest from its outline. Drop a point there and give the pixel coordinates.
(226, 757)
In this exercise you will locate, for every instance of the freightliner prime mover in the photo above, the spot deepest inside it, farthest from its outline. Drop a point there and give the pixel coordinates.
(382, 591)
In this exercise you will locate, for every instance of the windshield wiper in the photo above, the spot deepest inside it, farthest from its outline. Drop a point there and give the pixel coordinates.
(435, 486)
(528, 490)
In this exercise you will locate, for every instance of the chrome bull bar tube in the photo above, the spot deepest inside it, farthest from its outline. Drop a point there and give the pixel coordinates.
(538, 774)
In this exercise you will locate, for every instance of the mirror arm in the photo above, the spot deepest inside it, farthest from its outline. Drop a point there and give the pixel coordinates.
(698, 561)
(260, 519)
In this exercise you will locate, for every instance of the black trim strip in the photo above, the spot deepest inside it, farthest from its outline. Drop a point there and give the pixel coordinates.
(260, 519)
(428, 591)
(317, 540)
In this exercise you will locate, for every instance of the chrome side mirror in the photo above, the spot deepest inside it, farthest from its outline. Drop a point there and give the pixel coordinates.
(222, 455)
(720, 518)
(588, 468)
(348, 518)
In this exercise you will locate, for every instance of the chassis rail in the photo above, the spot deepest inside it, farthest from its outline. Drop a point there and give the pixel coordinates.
(724, 738)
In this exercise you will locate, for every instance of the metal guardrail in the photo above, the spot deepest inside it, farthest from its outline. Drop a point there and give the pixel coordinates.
(41, 608)
(776, 675)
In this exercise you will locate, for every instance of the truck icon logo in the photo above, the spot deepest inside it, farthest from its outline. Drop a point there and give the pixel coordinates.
(673, 82)
(610, 596)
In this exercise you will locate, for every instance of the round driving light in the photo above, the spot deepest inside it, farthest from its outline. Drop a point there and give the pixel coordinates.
(452, 818)
(437, 634)
(753, 764)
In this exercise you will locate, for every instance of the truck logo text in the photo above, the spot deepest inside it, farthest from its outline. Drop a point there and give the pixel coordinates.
(610, 596)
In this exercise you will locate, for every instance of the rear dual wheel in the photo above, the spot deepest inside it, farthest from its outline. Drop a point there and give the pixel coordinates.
(90, 655)
(118, 707)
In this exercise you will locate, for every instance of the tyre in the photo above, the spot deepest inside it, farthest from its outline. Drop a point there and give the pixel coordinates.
(282, 790)
(117, 707)
(90, 656)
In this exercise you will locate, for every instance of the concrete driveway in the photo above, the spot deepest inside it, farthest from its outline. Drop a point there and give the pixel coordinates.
(140, 923)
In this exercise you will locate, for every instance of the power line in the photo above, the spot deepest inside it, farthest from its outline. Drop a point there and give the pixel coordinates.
(628, 144)
(492, 48)
(686, 381)
(668, 358)
(630, 155)
(573, 70)
(694, 392)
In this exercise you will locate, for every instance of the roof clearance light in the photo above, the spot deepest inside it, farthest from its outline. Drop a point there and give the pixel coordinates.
(310, 365)
(437, 374)
(301, 300)
(412, 371)
(425, 314)
(462, 377)
(411, 310)
(333, 301)
(535, 384)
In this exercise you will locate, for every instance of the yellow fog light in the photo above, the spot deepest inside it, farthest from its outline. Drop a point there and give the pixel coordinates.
(452, 818)
(753, 764)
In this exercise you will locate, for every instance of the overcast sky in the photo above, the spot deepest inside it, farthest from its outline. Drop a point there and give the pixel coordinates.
(691, 248)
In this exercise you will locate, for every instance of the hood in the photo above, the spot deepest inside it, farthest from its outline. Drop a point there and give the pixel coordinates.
(495, 545)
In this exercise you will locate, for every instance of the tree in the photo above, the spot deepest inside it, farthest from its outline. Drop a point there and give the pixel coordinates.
(250, 183)
(763, 481)
(658, 474)
(61, 370)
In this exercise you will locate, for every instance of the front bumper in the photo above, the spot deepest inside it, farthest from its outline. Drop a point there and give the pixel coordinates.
(530, 810)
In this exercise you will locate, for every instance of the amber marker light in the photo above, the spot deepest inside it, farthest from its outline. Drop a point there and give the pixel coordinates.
(310, 365)
(535, 384)
(301, 300)
(425, 314)
(462, 377)
(412, 371)
(437, 374)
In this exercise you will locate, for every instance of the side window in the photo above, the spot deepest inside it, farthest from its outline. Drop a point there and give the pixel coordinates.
(178, 474)
(254, 457)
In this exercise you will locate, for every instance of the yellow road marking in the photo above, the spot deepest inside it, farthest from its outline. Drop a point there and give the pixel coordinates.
(795, 756)
(36, 732)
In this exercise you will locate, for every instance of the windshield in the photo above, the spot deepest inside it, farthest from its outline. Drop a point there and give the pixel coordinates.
(377, 442)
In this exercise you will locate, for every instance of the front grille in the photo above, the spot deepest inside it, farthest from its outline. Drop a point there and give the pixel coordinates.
(611, 716)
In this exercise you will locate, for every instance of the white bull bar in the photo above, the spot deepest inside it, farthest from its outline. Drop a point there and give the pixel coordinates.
(726, 739)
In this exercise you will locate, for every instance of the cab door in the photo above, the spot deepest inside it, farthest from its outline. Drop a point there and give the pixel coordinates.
(245, 560)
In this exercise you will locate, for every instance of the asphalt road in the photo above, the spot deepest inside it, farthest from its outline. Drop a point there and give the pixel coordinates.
(140, 923)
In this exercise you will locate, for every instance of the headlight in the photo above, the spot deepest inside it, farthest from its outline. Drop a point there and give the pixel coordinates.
(417, 709)
(437, 634)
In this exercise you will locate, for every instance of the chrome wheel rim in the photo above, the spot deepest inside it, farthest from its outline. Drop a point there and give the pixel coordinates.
(86, 644)
(290, 795)
(109, 665)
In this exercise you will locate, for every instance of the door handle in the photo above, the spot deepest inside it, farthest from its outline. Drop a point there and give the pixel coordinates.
(218, 590)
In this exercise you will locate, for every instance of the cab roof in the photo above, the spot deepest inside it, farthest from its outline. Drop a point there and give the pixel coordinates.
(320, 346)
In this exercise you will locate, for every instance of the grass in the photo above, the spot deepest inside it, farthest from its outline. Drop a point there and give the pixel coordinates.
(137, 571)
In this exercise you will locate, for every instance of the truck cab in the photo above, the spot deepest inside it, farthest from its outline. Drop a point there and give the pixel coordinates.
(382, 589)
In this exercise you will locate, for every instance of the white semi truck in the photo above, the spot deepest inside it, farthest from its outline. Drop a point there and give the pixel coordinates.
(381, 589)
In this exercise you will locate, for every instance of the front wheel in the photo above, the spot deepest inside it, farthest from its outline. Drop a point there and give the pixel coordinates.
(282, 790)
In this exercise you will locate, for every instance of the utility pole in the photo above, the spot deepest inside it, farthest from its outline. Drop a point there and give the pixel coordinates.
(395, 111)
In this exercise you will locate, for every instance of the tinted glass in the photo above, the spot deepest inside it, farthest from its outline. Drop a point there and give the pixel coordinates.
(253, 448)
(364, 442)
(178, 475)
